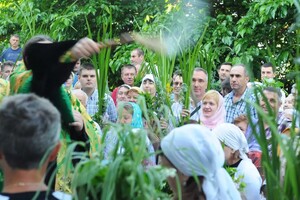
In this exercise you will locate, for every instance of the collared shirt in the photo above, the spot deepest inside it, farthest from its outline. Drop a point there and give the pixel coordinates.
(233, 110)
(282, 124)
(110, 112)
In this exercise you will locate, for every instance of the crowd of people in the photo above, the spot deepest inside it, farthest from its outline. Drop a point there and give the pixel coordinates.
(60, 100)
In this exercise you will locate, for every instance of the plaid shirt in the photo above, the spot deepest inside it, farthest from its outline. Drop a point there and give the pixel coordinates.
(110, 112)
(282, 123)
(233, 110)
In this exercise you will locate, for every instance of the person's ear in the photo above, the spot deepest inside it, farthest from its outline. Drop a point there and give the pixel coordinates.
(54, 152)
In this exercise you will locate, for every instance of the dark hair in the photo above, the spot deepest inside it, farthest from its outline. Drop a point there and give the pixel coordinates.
(128, 66)
(225, 63)
(86, 66)
(225, 85)
(266, 65)
(177, 73)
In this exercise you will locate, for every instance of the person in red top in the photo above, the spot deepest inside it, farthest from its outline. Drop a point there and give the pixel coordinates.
(128, 73)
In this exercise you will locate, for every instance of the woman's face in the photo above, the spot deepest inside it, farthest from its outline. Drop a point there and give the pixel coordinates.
(69, 81)
(209, 107)
(122, 94)
(132, 96)
(288, 103)
(126, 117)
(149, 86)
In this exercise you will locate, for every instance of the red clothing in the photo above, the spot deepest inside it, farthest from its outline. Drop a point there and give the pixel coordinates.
(114, 95)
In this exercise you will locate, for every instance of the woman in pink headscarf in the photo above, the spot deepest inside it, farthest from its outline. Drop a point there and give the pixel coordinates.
(212, 109)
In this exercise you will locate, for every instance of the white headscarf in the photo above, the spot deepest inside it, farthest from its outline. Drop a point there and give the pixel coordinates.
(194, 150)
(233, 137)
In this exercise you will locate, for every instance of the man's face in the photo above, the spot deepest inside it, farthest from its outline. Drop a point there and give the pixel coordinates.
(87, 79)
(224, 72)
(14, 42)
(273, 100)
(128, 75)
(135, 59)
(238, 78)
(199, 83)
(177, 83)
(267, 72)
(6, 72)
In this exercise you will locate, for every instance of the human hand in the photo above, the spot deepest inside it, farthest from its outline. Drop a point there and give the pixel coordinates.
(78, 121)
(163, 124)
(84, 48)
(185, 113)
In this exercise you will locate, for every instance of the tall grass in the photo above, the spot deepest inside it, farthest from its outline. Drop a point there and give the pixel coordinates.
(101, 61)
(122, 176)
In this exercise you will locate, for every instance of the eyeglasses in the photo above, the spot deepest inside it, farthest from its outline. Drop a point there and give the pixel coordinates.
(177, 83)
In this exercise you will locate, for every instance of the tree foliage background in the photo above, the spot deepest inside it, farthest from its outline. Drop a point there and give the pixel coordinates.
(239, 31)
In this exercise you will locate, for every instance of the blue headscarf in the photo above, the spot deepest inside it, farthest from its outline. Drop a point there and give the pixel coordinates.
(137, 121)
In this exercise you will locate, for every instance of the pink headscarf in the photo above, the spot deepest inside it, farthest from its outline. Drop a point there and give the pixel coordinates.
(218, 117)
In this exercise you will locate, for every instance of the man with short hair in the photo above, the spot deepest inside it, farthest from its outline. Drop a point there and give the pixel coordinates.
(13, 53)
(177, 82)
(235, 101)
(224, 71)
(87, 79)
(27, 150)
(223, 74)
(6, 69)
(137, 58)
(128, 73)
(267, 70)
(199, 86)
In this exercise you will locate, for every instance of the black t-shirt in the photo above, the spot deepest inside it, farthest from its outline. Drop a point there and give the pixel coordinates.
(43, 195)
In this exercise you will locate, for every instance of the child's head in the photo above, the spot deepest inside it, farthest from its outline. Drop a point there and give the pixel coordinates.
(241, 122)
(125, 113)
(289, 102)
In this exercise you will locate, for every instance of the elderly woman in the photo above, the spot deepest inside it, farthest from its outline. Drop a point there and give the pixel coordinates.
(212, 110)
(198, 157)
(235, 149)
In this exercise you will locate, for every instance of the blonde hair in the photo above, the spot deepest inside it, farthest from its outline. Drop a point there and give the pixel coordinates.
(213, 94)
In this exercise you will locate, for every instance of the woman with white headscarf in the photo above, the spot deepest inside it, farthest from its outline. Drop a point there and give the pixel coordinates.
(235, 148)
(198, 157)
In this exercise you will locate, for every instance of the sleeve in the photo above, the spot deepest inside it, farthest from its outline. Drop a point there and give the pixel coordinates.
(111, 109)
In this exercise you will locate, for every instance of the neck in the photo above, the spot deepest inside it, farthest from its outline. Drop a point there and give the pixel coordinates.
(240, 92)
(24, 180)
(14, 48)
(89, 91)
